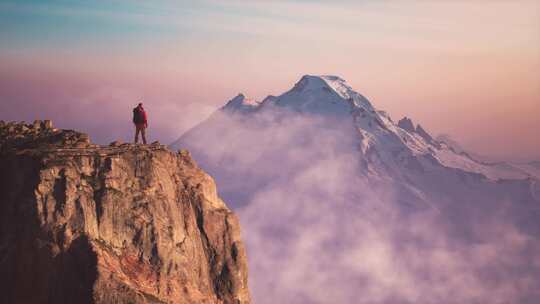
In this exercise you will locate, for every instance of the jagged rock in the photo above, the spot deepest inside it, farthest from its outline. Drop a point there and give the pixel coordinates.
(155, 143)
(84, 138)
(130, 224)
(425, 135)
(28, 136)
(406, 124)
(47, 124)
(116, 143)
(184, 153)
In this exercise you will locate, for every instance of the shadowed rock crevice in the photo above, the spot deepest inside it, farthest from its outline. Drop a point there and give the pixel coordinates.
(59, 191)
(77, 273)
(98, 186)
(19, 225)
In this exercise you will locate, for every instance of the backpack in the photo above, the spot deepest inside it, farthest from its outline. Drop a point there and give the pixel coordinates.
(138, 116)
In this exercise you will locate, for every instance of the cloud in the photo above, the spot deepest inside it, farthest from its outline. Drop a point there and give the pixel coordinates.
(318, 231)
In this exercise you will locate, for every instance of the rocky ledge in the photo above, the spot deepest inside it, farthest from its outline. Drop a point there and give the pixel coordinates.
(82, 223)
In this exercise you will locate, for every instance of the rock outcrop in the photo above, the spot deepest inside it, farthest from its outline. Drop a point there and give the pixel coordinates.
(406, 124)
(82, 223)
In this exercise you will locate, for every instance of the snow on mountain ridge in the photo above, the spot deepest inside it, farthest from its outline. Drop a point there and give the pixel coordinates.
(499, 169)
(339, 85)
(319, 94)
(241, 103)
(331, 84)
(387, 146)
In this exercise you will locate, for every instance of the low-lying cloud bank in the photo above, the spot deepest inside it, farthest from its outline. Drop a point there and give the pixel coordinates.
(318, 231)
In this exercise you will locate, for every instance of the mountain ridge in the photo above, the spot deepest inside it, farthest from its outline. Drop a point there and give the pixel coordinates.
(329, 95)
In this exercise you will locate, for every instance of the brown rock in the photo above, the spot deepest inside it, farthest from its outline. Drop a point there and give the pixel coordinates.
(82, 144)
(83, 139)
(116, 143)
(184, 153)
(114, 225)
(47, 124)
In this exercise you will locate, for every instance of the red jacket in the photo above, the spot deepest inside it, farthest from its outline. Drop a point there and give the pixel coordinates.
(139, 116)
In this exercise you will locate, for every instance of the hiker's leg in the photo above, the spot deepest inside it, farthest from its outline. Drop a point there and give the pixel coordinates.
(143, 133)
(137, 129)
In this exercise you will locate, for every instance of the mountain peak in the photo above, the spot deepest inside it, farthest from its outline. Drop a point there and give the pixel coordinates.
(322, 94)
(324, 82)
(322, 78)
(309, 83)
(241, 103)
(406, 124)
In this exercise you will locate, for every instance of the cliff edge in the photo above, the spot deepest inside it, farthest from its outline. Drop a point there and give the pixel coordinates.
(82, 223)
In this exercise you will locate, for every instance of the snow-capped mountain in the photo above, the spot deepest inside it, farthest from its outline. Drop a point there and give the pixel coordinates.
(381, 140)
(330, 188)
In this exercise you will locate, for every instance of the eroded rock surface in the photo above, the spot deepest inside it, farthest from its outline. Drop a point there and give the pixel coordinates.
(81, 223)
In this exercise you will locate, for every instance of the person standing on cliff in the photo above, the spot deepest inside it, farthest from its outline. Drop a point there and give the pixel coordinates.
(141, 122)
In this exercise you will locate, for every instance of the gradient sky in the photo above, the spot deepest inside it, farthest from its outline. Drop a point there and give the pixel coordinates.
(470, 69)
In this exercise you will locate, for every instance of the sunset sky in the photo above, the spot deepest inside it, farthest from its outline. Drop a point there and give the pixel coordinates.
(470, 69)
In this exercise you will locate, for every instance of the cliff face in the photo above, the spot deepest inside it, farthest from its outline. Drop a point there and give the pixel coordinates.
(80, 223)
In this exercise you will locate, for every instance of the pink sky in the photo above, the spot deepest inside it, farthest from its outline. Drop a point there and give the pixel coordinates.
(469, 69)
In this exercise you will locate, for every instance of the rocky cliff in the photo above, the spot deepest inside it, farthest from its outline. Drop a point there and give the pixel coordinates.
(82, 223)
